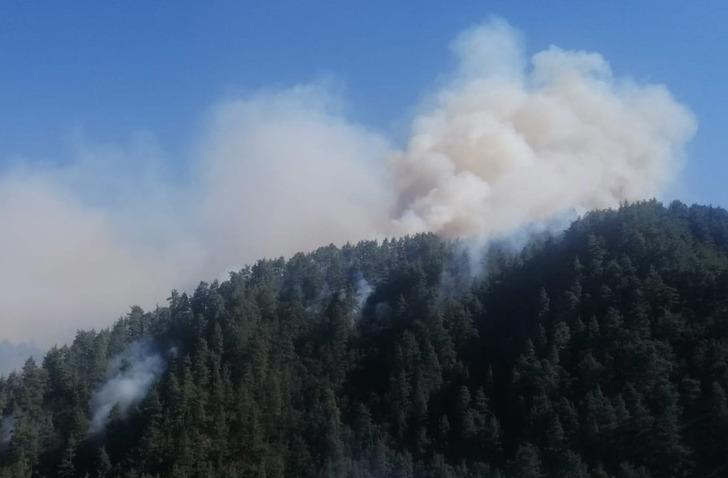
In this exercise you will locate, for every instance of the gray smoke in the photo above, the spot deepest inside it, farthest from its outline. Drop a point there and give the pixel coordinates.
(14, 355)
(129, 376)
(505, 142)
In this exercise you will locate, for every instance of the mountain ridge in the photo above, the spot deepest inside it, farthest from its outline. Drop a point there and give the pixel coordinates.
(598, 352)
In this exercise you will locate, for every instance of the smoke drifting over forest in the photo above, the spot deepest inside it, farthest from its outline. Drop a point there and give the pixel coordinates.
(506, 141)
(129, 376)
(510, 142)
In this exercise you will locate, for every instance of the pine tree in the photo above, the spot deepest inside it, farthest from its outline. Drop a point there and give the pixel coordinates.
(527, 462)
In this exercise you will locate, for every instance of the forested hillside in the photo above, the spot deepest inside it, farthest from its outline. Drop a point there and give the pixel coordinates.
(600, 352)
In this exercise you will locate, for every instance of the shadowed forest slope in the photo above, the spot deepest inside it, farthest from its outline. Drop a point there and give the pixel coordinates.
(600, 352)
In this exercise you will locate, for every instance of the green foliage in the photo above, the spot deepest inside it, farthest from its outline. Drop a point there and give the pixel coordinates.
(599, 353)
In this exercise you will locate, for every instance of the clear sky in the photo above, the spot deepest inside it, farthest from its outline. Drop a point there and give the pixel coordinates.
(108, 70)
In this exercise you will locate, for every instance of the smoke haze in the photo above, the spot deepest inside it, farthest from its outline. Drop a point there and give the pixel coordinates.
(129, 376)
(284, 171)
(506, 141)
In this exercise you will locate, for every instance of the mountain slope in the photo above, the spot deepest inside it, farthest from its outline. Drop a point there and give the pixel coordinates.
(601, 352)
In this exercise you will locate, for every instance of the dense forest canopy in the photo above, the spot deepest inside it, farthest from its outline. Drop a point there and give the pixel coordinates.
(600, 352)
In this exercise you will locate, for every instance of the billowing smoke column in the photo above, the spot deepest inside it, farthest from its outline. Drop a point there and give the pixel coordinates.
(507, 143)
(129, 376)
(7, 428)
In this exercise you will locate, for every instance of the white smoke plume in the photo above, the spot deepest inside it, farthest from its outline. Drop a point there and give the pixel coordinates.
(509, 142)
(506, 141)
(363, 290)
(129, 376)
(284, 171)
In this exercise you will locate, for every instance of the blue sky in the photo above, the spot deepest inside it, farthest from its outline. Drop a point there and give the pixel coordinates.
(108, 70)
(146, 146)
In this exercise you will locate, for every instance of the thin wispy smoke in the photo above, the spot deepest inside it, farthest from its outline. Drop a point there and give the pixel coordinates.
(505, 142)
(129, 376)
(363, 290)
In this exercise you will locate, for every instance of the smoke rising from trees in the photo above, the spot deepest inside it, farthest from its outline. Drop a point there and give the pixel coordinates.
(129, 376)
(509, 142)
(506, 141)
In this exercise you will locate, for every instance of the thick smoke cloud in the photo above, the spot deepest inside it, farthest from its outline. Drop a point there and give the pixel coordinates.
(509, 142)
(129, 376)
(65, 266)
(506, 141)
(284, 171)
